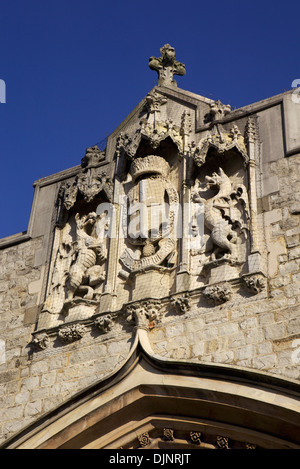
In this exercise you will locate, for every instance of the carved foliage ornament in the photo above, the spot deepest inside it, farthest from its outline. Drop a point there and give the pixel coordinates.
(251, 130)
(143, 313)
(153, 102)
(104, 323)
(221, 142)
(255, 282)
(144, 439)
(195, 438)
(154, 128)
(218, 294)
(181, 303)
(71, 333)
(89, 182)
(219, 110)
(154, 133)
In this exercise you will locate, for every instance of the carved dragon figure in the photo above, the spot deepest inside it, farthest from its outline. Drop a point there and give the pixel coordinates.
(221, 216)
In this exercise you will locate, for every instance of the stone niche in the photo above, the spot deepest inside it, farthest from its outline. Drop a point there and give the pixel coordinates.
(80, 245)
(150, 250)
(223, 206)
(221, 188)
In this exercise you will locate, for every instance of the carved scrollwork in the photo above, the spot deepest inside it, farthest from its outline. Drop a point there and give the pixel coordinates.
(152, 202)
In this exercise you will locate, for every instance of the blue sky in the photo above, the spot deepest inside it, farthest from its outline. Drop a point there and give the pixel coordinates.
(74, 70)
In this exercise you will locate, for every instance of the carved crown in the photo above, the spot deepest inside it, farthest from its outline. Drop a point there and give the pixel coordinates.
(149, 164)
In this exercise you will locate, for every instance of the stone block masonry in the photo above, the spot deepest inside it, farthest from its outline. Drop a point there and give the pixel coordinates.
(259, 334)
(32, 384)
(73, 298)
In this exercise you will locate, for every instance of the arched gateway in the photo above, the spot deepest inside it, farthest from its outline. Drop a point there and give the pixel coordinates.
(156, 403)
(154, 300)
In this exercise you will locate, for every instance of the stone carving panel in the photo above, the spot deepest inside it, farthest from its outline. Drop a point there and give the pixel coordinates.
(79, 268)
(166, 180)
(151, 202)
(225, 189)
(226, 216)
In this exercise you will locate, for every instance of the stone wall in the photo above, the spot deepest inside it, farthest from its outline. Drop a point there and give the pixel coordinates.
(19, 292)
(260, 331)
(32, 384)
(257, 330)
(259, 334)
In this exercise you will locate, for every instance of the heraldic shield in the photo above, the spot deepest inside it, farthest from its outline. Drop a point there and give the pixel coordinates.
(152, 204)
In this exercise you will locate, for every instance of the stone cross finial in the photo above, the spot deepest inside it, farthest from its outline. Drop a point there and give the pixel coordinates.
(166, 66)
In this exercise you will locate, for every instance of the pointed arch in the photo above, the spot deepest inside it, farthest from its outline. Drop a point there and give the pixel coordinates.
(152, 402)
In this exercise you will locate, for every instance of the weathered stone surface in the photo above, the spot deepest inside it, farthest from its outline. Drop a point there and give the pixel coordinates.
(80, 295)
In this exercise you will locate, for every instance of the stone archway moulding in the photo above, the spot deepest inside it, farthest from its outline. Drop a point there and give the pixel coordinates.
(153, 402)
